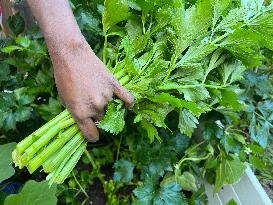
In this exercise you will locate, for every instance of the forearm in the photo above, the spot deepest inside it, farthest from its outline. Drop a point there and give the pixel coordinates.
(58, 24)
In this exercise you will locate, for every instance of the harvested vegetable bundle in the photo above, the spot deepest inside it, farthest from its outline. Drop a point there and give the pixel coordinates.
(53, 146)
(171, 58)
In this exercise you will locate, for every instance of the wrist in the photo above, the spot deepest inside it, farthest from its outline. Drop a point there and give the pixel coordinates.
(73, 45)
(69, 54)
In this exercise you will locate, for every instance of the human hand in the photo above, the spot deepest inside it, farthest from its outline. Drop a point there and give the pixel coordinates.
(86, 86)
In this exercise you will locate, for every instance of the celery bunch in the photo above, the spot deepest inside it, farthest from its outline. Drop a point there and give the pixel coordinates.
(57, 146)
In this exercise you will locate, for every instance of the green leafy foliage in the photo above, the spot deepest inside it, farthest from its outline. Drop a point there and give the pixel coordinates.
(113, 121)
(189, 66)
(166, 194)
(187, 122)
(87, 20)
(16, 24)
(115, 12)
(228, 172)
(199, 197)
(123, 171)
(34, 193)
(156, 159)
(213, 50)
(232, 202)
(6, 169)
(187, 181)
(53, 108)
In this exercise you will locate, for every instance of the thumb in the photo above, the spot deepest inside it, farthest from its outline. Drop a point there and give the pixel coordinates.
(123, 94)
(89, 129)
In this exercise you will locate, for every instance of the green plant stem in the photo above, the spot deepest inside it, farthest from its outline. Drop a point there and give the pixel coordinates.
(90, 158)
(67, 123)
(44, 140)
(171, 68)
(70, 164)
(24, 144)
(118, 149)
(50, 166)
(219, 38)
(84, 202)
(104, 48)
(192, 159)
(41, 142)
(80, 186)
(17, 159)
(95, 167)
(52, 176)
(39, 159)
(124, 80)
(177, 87)
(119, 74)
(49, 160)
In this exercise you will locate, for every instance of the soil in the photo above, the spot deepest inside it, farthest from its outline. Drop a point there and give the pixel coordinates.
(96, 194)
(95, 191)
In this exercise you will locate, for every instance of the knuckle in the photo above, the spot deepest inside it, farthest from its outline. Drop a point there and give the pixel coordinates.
(99, 103)
(107, 95)
(79, 113)
(131, 100)
(115, 83)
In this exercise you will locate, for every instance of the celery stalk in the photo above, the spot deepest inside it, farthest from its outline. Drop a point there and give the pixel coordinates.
(52, 157)
(124, 80)
(70, 164)
(119, 74)
(43, 140)
(52, 176)
(67, 123)
(16, 159)
(24, 144)
(40, 158)
(51, 165)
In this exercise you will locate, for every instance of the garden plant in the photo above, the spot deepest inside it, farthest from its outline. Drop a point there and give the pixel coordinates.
(201, 75)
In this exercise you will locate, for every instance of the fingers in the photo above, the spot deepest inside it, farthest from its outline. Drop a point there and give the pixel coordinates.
(123, 94)
(99, 116)
(89, 129)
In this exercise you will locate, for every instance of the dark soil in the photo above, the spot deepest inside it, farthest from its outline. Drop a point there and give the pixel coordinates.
(108, 170)
(96, 194)
(95, 191)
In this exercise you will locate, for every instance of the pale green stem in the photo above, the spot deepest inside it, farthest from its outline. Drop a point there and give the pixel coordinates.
(24, 144)
(78, 183)
(70, 164)
(40, 158)
(53, 164)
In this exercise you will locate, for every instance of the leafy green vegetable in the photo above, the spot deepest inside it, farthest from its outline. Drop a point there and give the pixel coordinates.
(189, 66)
(34, 193)
(123, 171)
(187, 181)
(6, 169)
(114, 119)
(115, 12)
(16, 24)
(228, 172)
(166, 194)
(187, 122)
